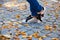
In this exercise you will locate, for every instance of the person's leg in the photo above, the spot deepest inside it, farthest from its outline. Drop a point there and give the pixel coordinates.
(36, 16)
(39, 17)
(28, 18)
(42, 12)
(33, 15)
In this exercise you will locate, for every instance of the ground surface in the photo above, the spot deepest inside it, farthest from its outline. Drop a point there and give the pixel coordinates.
(10, 22)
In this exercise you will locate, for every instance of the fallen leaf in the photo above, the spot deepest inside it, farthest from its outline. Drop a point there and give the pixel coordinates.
(29, 37)
(16, 38)
(44, 36)
(23, 6)
(18, 32)
(17, 16)
(56, 15)
(23, 33)
(4, 26)
(0, 5)
(24, 36)
(47, 27)
(40, 38)
(45, 3)
(36, 35)
(26, 24)
(54, 26)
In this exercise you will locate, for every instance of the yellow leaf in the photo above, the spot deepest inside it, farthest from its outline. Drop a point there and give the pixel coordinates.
(36, 35)
(44, 36)
(24, 36)
(45, 3)
(4, 26)
(12, 4)
(56, 15)
(26, 24)
(47, 27)
(18, 16)
(51, 29)
(23, 33)
(40, 38)
(23, 6)
(29, 37)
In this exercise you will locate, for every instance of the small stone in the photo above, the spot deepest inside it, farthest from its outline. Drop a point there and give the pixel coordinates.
(40, 38)
(48, 34)
(55, 38)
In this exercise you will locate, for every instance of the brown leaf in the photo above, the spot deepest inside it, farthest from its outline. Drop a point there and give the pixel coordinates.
(40, 38)
(0, 5)
(36, 35)
(17, 16)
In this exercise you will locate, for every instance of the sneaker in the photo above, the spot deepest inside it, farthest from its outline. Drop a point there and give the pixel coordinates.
(39, 17)
(28, 18)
